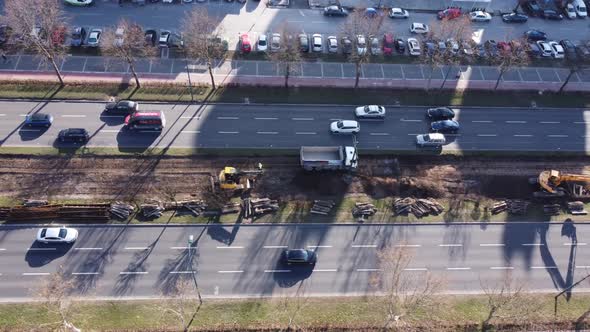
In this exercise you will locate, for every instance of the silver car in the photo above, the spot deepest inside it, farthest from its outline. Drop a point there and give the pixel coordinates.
(370, 112)
(94, 38)
(316, 40)
(57, 235)
(332, 44)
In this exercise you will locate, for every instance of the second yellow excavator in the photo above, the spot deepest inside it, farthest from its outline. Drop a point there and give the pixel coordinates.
(561, 184)
(231, 178)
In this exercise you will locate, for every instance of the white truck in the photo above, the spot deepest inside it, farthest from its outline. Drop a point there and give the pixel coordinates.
(320, 158)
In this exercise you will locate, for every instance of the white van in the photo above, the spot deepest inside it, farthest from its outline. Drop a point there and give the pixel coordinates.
(580, 8)
(431, 140)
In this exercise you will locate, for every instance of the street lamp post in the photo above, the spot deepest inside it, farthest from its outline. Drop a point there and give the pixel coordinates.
(191, 240)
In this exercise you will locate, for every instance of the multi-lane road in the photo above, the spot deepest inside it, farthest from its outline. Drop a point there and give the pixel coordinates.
(243, 260)
(291, 126)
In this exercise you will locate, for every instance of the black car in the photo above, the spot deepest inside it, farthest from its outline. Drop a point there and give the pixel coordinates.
(583, 51)
(400, 45)
(299, 256)
(78, 36)
(335, 11)
(346, 45)
(440, 113)
(551, 14)
(445, 126)
(151, 37)
(533, 8)
(73, 135)
(514, 18)
(569, 49)
(5, 32)
(303, 43)
(535, 35)
(492, 48)
(122, 107)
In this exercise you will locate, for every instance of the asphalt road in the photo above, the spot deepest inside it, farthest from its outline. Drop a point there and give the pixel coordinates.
(243, 260)
(291, 126)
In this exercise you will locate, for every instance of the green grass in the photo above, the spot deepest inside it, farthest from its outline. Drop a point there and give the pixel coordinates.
(357, 312)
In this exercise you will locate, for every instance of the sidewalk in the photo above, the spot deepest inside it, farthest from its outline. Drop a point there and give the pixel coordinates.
(313, 74)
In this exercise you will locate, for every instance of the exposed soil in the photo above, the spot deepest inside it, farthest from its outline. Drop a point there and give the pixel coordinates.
(138, 178)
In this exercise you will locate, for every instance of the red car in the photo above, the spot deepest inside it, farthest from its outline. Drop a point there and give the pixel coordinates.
(449, 13)
(504, 47)
(388, 44)
(245, 45)
(58, 36)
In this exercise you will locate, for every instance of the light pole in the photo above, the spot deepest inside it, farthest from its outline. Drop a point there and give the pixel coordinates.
(191, 240)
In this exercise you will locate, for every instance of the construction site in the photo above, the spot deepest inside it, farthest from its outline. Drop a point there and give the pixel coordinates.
(276, 189)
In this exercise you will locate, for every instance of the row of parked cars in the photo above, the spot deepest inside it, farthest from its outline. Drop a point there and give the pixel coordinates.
(550, 10)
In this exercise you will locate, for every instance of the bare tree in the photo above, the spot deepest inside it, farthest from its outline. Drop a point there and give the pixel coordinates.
(203, 38)
(288, 56)
(40, 26)
(514, 55)
(574, 65)
(55, 294)
(292, 305)
(184, 303)
(405, 291)
(127, 42)
(358, 24)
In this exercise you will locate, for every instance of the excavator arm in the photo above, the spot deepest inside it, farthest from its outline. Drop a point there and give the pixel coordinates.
(550, 180)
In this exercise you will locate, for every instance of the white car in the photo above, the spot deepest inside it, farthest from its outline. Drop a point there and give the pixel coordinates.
(119, 36)
(94, 38)
(480, 16)
(316, 40)
(398, 13)
(370, 112)
(414, 47)
(361, 44)
(275, 42)
(57, 235)
(570, 11)
(164, 37)
(332, 44)
(262, 44)
(419, 28)
(557, 50)
(545, 48)
(345, 127)
(453, 45)
(430, 140)
(375, 45)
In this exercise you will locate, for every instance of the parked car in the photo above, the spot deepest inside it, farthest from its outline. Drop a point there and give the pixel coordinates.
(299, 257)
(57, 235)
(79, 3)
(551, 14)
(332, 43)
(453, 45)
(151, 37)
(583, 51)
(448, 126)
(480, 16)
(244, 43)
(570, 11)
(77, 36)
(94, 37)
(449, 13)
(429, 47)
(317, 42)
(275, 42)
(79, 135)
(398, 13)
(262, 44)
(533, 8)
(303, 42)
(175, 40)
(371, 12)
(440, 113)
(122, 107)
(414, 47)
(375, 45)
(346, 45)
(164, 37)
(419, 28)
(400, 46)
(534, 50)
(370, 112)
(580, 8)
(514, 18)
(535, 35)
(557, 50)
(467, 48)
(345, 127)
(388, 44)
(570, 49)
(119, 36)
(545, 48)
(335, 11)
(361, 45)
(38, 120)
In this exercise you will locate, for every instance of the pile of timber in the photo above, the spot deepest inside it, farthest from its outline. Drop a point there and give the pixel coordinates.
(4, 212)
(195, 207)
(512, 206)
(322, 207)
(362, 210)
(576, 208)
(551, 209)
(121, 211)
(78, 212)
(151, 210)
(255, 207)
(418, 207)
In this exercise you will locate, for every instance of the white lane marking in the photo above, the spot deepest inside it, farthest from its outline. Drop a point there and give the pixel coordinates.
(302, 119)
(133, 272)
(492, 244)
(523, 135)
(228, 132)
(181, 272)
(416, 269)
(189, 117)
(549, 122)
(73, 116)
(581, 122)
(227, 118)
(410, 120)
(231, 271)
(22, 114)
(267, 132)
(533, 244)
(451, 245)
(2, 114)
(305, 133)
(325, 270)
(414, 134)
(368, 270)
(311, 247)
(408, 245)
(109, 131)
(501, 268)
(575, 244)
(42, 249)
(557, 135)
(137, 248)
(266, 118)
(582, 266)
(84, 273)
(514, 121)
(87, 248)
(36, 273)
(2, 249)
(236, 247)
(274, 247)
(487, 135)
(482, 121)
(379, 134)
(277, 271)
(335, 119)
(364, 246)
(458, 268)
(543, 267)
(191, 131)
(181, 248)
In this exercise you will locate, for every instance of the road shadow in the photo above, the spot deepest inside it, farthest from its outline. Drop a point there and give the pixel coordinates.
(30, 134)
(40, 254)
(111, 120)
(568, 230)
(130, 141)
(176, 269)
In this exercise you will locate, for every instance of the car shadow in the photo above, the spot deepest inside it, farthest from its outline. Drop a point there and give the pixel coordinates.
(136, 141)
(297, 274)
(112, 119)
(27, 133)
(40, 254)
(67, 147)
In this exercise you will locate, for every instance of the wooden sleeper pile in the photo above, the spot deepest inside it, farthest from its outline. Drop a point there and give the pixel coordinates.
(418, 207)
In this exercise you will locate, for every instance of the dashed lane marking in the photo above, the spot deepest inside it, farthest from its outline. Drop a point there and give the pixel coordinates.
(379, 134)
(575, 244)
(514, 121)
(410, 120)
(325, 270)
(84, 273)
(227, 118)
(132, 272)
(522, 135)
(274, 247)
(451, 245)
(501, 268)
(364, 246)
(487, 135)
(223, 247)
(182, 272)
(231, 271)
(408, 245)
(416, 269)
(267, 132)
(533, 244)
(368, 270)
(42, 249)
(311, 247)
(549, 122)
(543, 267)
(557, 135)
(181, 248)
(277, 271)
(191, 131)
(36, 273)
(137, 248)
(302, 119)
(87, 248)
(228, 132)
(305, 133)
(458, 268)
(266, 118)
(482, 121)
(492, 244)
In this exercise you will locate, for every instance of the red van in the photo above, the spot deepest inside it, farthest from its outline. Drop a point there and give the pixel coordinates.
(149, 120)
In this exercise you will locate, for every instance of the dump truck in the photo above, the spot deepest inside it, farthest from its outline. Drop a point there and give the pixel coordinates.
(321, 158)
(557, 184)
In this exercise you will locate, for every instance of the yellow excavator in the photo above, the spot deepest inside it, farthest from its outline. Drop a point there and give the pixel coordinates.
(558, 184)
(231, 178)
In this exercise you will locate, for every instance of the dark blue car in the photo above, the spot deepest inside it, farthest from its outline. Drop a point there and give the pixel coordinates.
(445, 126)
(514, 18)
(38, 120)
(535, 35)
